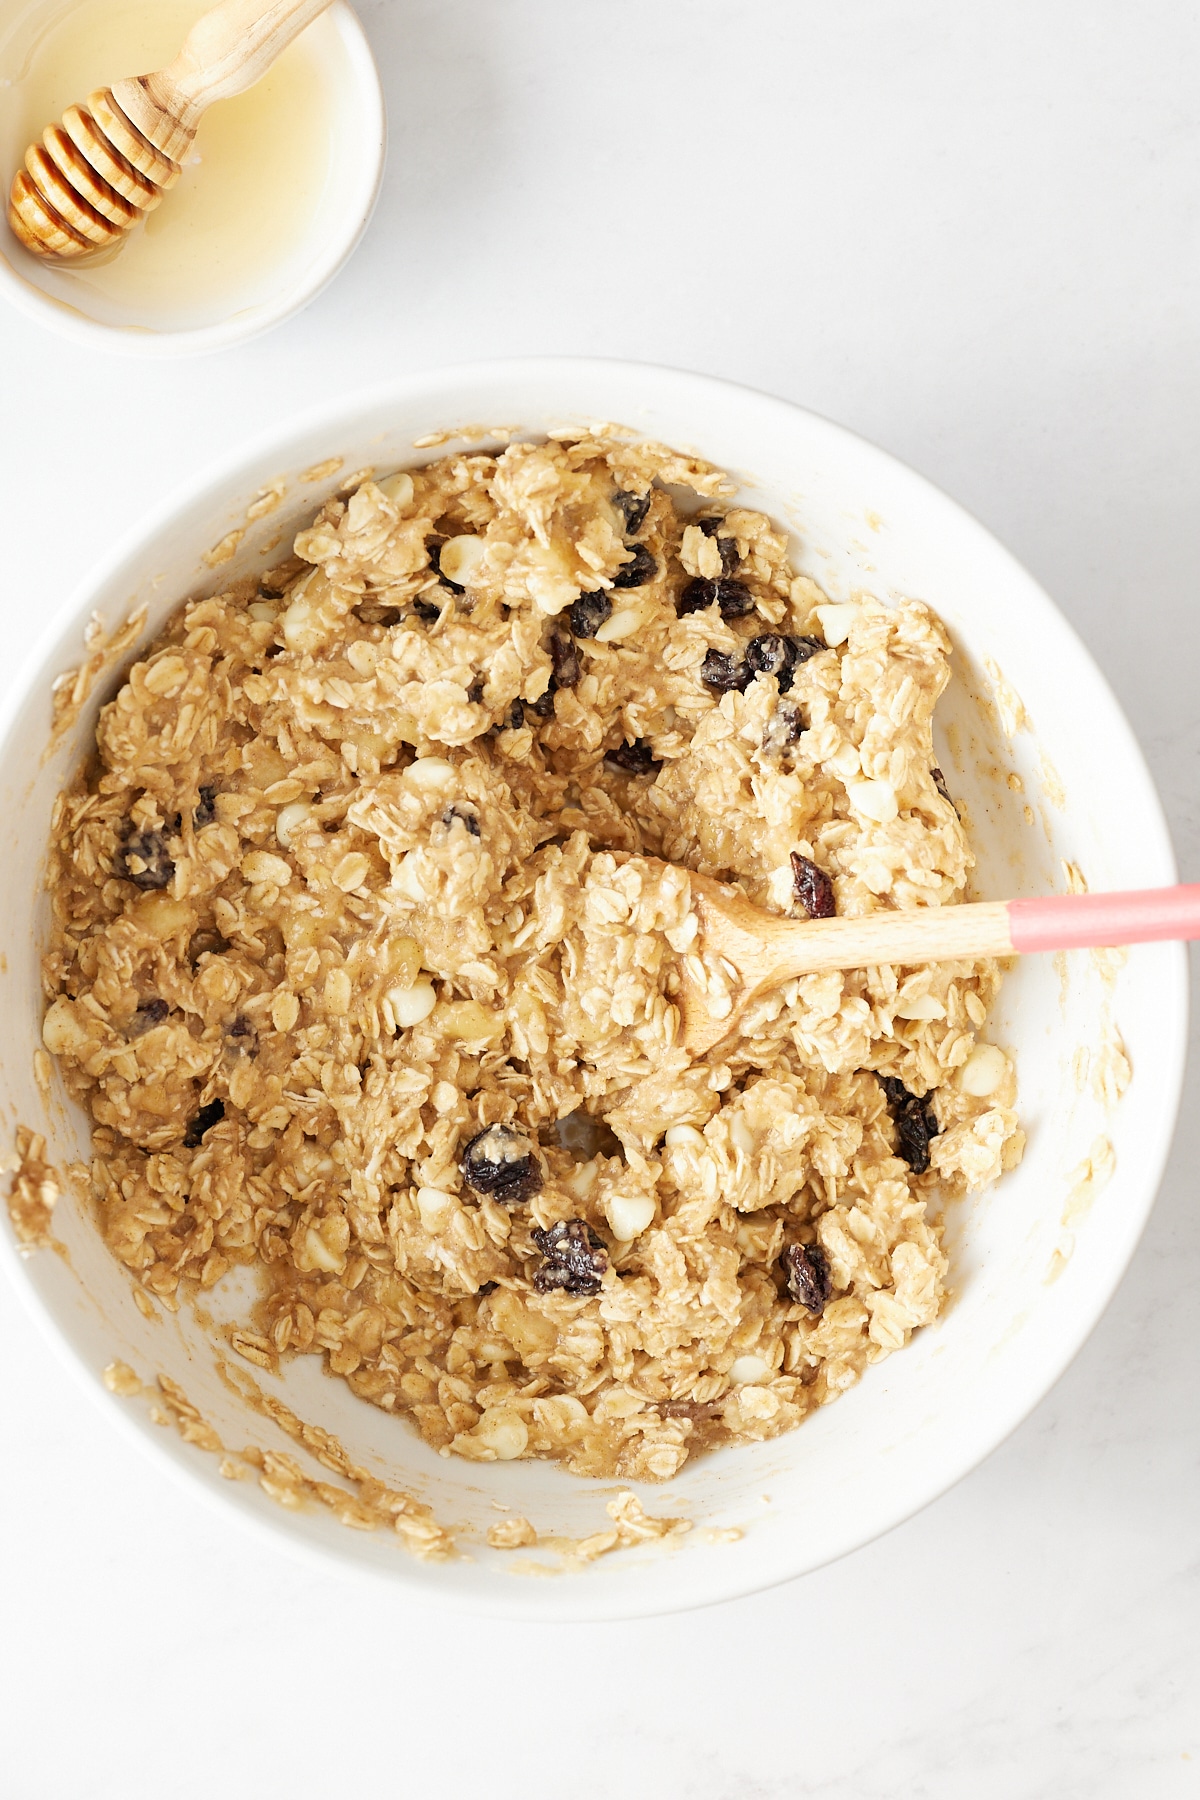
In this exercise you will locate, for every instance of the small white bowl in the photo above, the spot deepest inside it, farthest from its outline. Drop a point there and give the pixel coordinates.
(358, 136)
(1033, 1261)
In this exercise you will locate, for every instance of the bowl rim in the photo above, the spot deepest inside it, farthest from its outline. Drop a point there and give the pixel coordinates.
(562, 1601)
(250, 322)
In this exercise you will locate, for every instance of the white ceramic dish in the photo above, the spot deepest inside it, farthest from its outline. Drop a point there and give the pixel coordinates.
(260, 298)
(1027, 1287)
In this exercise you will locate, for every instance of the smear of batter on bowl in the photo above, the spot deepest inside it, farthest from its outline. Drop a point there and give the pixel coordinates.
(34, 1191)
(73, 688)
(367, 921)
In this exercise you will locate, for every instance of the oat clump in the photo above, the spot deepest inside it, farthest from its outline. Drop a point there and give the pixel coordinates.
(367, 918)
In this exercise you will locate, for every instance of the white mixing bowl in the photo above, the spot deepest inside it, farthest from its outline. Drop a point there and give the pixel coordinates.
(1034, 1260)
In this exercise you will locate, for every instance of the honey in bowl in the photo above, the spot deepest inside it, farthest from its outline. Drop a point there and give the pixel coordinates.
(251, 183)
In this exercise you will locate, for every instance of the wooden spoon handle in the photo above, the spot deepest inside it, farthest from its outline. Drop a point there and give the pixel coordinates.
(759, 951)
(988, 928)
(225, 52)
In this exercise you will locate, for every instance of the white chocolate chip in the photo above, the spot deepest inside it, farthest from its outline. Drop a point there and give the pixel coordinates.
(684, 1135)
(408, 878)
(263, 612)
(504, 1432)
(628, 1215)
(874, 800)
(398, 488)
(461, 559)
(409, 1006)
(837, 621)
(288, 818)
(429, 772)
(983, 1071)
(435, 1207)
(749, 1368)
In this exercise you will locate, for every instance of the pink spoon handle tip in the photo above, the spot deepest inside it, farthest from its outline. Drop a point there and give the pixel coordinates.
(1076, 921)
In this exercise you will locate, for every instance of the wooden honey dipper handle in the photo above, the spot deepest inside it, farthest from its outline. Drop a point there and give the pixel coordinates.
(765, 950)
(92, 177)
(224, 53)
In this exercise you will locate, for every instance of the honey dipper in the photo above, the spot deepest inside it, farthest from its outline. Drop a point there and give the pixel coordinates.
(94, 176)
(741, 953)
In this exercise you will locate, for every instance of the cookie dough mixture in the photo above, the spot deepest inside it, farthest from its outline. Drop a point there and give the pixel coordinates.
(368, 914)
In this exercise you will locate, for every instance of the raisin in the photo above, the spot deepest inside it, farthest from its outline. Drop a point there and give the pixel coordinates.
(434, 547)
(734, 599)
(500, 1162)
(719, 672)
(806, 647)
(475, 691)
(464, 815)
(205, 943)
(915, 1123)
(485, 1288)
(807, 1273)
(772, 654)
(204, 1120)
(588, 614)
(695, 1410)
(726, 545)
(784, 727)
(637, 573)
(939, 782)
(565, 658)
(575, 1258)
(148, 1014)
(543, 707)
(239, 1031)
(814, 890)
(632, 508)
(636, 758)
(143, 859)
(206, 812)
(425, 610)
(695, 597)
(516, 716)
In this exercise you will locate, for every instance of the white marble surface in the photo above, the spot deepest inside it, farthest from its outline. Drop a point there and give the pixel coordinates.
(969, 233)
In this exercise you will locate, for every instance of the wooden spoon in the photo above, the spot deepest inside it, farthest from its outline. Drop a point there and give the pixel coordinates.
(94, 176)
(763, 951)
